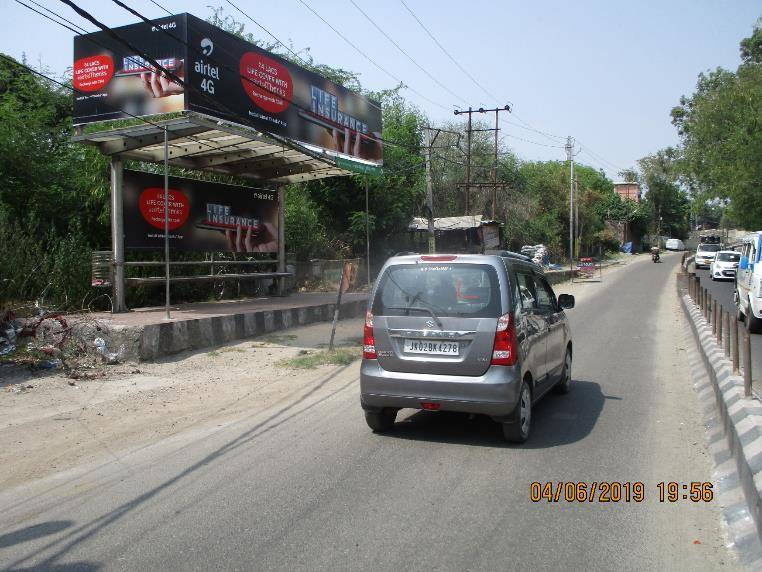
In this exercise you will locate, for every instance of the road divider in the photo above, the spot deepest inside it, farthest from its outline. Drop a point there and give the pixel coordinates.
(739, 410)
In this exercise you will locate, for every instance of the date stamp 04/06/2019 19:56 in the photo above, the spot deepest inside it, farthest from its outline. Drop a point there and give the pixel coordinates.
(619, 491)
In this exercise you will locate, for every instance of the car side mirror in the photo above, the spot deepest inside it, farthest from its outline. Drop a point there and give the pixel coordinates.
(566, 301)
(743, 264)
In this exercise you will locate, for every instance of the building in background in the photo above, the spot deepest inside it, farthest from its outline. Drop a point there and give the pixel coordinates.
(628, 190)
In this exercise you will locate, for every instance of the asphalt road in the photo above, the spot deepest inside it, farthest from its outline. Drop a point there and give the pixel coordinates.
(722, 291)
(306, 486)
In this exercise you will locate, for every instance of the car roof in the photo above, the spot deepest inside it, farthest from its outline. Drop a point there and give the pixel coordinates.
(492, 259)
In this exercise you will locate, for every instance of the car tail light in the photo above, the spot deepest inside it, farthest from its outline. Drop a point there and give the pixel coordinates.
(440, 258)
(430, 406)
(368, 341)
(505, 350)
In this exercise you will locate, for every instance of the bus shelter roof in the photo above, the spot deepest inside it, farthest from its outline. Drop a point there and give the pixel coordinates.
(204, 143)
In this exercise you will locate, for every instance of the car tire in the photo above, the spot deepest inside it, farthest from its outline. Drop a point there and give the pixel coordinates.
(516, 430)
(564, 385)
(381, 421)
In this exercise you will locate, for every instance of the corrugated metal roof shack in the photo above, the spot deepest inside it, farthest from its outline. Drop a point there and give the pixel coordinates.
(456, 234)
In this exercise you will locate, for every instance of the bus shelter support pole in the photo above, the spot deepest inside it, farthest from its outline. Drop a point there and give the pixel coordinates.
(281, 240)
(166, 224)
(117, 234)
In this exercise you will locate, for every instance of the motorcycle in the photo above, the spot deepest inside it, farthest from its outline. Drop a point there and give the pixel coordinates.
(655, 254)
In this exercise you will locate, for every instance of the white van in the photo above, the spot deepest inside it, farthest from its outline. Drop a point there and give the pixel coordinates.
(674, 244)
(748, 292)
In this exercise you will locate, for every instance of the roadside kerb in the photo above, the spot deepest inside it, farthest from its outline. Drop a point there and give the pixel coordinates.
(741, 416)
(152, 341)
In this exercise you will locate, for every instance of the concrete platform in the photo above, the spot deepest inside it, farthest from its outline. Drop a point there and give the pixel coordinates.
(147, 335)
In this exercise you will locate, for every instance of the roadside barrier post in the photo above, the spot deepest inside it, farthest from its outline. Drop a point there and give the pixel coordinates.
(713, 315)
(734, 343)
(726, 334)
(720, 317)
(746, 363)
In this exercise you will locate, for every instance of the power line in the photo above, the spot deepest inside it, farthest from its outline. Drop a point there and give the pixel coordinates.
(371, 60)
(533, 142)
(59, 16)
(408, 56)
(441, 47)
(268, 32)
(160, 6)
(529, 126)
(49, 17)
(589, 151)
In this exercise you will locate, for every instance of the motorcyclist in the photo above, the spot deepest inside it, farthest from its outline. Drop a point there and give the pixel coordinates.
(655, 253)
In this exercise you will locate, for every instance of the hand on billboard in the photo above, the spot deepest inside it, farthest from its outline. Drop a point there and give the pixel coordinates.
(240, 241)
(157, 84)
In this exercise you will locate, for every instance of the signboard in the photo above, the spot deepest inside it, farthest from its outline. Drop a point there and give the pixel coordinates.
(225, 77)
(203, 216)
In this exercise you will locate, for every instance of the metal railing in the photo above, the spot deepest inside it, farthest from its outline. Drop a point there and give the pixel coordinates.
(732, 337)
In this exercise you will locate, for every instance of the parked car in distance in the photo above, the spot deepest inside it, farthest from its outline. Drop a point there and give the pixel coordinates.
(705, 254)
(724, 265)
(475, 333)
(674, 244)
(748, 292)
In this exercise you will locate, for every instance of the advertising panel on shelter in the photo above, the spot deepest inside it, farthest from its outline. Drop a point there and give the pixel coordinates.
(203, 216)
(220, 75)
(112, 81)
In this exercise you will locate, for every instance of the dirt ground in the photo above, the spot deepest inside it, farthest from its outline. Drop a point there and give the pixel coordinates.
(49, 423)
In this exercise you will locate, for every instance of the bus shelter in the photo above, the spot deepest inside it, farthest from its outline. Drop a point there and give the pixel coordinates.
(199, 98)
(206, 144)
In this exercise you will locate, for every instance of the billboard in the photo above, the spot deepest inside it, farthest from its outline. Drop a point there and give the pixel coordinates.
(224, 76)
(203, 216)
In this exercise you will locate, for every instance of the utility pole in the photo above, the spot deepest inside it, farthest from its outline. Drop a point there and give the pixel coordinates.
(578, 231)
(468, 162)
(429, 190)
(494, 168)
(570, 157)
(470, 130)
(429, 182)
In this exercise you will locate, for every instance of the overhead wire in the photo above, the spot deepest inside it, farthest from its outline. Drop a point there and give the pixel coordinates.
(404, 53)
(269, 33)
(371, 60)
(155, 3)
(441, 47)
(50, 17)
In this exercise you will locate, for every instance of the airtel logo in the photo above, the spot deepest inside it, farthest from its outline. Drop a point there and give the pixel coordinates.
(207, 46)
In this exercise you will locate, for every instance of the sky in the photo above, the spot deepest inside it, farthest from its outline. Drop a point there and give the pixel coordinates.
(606, 72)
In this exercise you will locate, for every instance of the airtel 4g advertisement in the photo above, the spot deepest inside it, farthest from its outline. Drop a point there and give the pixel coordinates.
(223, 76)
(203, 216)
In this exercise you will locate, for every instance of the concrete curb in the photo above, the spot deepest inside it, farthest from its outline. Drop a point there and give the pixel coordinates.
(741, 417)
(149, 342)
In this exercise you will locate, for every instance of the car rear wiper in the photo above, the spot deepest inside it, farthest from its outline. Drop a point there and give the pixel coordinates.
(422, 307)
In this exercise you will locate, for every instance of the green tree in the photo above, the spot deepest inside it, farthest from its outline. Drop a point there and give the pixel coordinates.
(721, 134)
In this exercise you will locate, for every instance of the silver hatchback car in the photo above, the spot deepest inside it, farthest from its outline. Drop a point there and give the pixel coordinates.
(474, 333)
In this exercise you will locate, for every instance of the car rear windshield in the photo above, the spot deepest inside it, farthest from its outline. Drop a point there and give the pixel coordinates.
(709, 247)
(465, 290)
(729, 257)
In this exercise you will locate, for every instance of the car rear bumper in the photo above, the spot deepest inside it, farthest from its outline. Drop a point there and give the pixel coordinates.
(495, 393)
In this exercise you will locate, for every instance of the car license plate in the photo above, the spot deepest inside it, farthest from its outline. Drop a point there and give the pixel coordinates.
(432, 347)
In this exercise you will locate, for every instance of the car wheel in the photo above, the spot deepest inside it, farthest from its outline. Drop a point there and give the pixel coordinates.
(564, 385)
(381, 421)
(516, 430)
